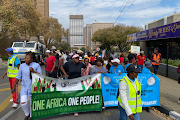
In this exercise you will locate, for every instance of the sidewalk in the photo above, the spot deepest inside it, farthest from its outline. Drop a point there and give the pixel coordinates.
(170, 93)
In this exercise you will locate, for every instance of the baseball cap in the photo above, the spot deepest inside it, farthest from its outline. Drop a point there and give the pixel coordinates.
(148, 64)
(131, 68)
(79, 51)
(75, 56)
(129, 50)
(142, 52)
(115, 60)
(48, 51)
(10, 50)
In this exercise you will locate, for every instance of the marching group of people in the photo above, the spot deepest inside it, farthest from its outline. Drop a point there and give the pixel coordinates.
(72, 65)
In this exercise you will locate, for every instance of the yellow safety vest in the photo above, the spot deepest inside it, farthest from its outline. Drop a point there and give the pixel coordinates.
(12, 71)
(133, 97)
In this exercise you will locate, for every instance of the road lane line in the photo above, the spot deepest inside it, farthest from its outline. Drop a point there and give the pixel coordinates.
(4, 84)
(5, 89)
(9, 113)
(7, 101)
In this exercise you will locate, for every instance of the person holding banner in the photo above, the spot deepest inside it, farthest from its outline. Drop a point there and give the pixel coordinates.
(116, 68)
(99, 68)
(132, 60)
(147, 67)
(129, 99)
(25, 71)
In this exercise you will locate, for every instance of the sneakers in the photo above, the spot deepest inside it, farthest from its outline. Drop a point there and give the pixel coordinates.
(11, 100)
(14, 105)
(179, 101)
(76, 114)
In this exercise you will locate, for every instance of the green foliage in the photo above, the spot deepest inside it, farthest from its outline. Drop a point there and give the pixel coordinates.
(4, 57)
(63, 46)
(116, 36)
(83, 49)
(171, 62)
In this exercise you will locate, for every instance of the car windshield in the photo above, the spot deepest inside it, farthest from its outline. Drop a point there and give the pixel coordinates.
(18, 45)
(31, 45)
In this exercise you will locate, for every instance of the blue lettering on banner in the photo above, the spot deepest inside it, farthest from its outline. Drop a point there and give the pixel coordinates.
(150, 89)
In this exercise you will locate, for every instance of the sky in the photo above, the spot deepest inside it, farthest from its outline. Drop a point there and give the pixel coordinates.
(129, 12)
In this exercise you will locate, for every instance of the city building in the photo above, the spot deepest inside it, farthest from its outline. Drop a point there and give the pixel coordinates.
(43, 7)
(163, 33)
(76, 31)
(90, 29)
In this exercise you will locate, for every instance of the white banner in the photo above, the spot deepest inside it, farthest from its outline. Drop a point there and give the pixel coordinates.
(42, 83)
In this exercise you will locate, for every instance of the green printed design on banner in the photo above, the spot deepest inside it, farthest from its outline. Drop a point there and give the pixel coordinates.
(40, 86)
(56, 103)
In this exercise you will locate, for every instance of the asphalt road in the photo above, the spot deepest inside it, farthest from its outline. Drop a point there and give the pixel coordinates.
(8, 113)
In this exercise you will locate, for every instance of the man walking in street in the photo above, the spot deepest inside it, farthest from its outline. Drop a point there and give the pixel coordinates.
(50, 64)
(56, 55)
(129, 99)
(156, 59)
(64, 57)
(12, 71)
(113, 55)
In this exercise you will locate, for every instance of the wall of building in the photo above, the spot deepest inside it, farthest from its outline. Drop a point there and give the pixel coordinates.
(43, 7)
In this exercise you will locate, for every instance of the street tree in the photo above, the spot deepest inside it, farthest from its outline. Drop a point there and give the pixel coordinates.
(18, 18)
(51, 30)
(116, 36)
(63, 46)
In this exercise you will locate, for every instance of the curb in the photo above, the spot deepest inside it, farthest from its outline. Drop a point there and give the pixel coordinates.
(168, 112)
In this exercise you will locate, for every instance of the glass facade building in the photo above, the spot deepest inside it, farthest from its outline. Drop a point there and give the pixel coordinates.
(76, 30)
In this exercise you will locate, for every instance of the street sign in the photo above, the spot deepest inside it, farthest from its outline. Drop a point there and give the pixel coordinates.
(98, 49)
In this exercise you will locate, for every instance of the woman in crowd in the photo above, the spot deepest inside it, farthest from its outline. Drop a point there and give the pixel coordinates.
(60, 74)
(116, 68)
(99, 68)
(141, 59)
(88, 66)
(73, 69)
(132, 60)
(122, 57)
(108, 66)
(25, 71)
(126, 61)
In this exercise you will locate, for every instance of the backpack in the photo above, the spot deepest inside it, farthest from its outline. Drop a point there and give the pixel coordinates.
(69, 57)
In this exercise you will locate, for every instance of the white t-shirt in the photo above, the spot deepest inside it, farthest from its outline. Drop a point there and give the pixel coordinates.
(64, 57)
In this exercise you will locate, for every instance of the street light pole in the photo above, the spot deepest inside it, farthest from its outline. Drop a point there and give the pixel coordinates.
(95, 31)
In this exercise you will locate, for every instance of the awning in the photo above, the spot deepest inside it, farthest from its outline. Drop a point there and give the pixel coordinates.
(162, 32)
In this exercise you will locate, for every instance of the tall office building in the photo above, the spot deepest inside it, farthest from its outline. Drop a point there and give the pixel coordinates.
(43, 7)
(76, 31)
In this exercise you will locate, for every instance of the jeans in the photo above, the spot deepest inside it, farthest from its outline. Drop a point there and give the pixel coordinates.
(123, 115)
(140, 66)
(50, 74)
(155, 68)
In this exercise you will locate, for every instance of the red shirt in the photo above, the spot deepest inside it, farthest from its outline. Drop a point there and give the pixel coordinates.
(141, 60)
(121, 59)
(92, 58)
(50, 63)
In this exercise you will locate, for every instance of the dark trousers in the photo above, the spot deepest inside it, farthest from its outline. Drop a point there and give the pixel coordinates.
(56, 71)
(50, 74)
(60, 72)
(155, 68)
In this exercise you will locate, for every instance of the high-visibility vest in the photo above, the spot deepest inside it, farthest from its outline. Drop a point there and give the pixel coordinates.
(133, 96)
(12, 71)
(156, 58)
